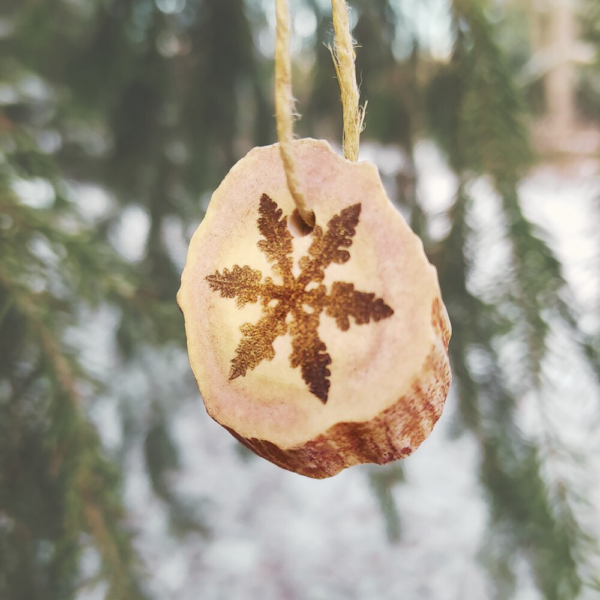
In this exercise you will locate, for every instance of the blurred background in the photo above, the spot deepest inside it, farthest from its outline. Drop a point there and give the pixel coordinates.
(118, 118)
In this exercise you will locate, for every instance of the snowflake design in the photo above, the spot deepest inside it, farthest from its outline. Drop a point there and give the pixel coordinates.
(292, 297)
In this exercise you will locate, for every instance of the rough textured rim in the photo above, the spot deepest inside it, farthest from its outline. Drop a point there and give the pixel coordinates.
(394, 433)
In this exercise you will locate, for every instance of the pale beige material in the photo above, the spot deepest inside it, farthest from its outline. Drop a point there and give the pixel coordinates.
(284, 110)
(389, 379)
(343, 59)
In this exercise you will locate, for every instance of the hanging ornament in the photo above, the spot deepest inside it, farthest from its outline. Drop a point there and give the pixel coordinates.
(315, 326)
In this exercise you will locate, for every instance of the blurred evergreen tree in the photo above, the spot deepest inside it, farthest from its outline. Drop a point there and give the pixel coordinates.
(59, 495)
(154, 102)
(477, 116)
(144, 100)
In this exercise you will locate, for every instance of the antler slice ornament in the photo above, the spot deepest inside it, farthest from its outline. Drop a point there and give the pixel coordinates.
(290, 354)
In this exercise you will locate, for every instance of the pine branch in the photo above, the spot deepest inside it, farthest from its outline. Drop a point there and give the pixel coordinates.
(511, 467)
(481, 127)
(78, 457)
(51, 264)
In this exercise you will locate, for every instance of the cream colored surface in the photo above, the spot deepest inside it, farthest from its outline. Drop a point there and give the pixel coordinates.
(372, 365)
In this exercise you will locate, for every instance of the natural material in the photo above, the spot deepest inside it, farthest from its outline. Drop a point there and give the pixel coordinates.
(276, 323)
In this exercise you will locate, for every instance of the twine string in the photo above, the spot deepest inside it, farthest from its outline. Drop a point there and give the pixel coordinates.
(343, 59)
(284, 111)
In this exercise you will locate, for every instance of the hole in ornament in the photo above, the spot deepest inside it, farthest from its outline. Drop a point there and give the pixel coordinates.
(297, 225)
(308, 309)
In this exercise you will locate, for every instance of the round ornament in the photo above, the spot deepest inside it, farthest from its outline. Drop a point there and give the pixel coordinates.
(318, 348)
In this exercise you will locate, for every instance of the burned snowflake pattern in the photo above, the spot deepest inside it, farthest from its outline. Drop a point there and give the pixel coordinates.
(291, 296)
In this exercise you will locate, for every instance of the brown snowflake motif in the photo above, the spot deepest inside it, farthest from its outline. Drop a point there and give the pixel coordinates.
(293, 298)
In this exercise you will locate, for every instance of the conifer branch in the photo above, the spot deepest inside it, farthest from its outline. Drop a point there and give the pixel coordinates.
(488, 135)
